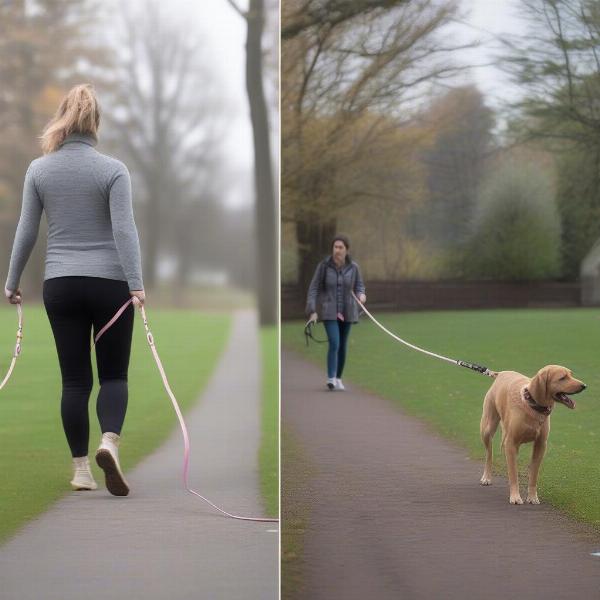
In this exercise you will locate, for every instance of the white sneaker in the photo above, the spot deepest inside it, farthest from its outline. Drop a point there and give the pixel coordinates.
(82, 477)
(107, 457)
(331, 383)
(338, 384)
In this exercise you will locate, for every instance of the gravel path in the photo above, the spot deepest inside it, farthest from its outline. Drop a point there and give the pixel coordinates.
(398, 513)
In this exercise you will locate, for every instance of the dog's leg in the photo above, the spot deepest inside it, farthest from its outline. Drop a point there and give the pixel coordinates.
(511, 451)
(539, 449)
(489, 423)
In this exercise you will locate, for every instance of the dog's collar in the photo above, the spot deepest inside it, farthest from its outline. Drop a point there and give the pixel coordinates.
(543, 410)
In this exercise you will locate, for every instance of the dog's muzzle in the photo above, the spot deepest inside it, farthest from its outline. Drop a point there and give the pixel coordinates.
(566, 400)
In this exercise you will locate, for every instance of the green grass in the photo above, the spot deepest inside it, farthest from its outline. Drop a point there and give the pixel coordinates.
(450, 398)
(269, 448)
(35, 461)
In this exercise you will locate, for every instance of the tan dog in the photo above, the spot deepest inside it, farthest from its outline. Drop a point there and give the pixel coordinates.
(522, 406)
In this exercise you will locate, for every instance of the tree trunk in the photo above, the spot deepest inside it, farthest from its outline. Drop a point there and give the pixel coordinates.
(314, 244)
(265, 207)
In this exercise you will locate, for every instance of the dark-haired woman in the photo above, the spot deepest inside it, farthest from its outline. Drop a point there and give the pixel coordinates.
(330, 300)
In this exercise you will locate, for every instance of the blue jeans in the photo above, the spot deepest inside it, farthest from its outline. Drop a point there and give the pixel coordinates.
(337, 334)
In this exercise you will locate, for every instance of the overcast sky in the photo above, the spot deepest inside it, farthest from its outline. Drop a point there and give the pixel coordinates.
(225, 35)
(225, 32)
(484, 20)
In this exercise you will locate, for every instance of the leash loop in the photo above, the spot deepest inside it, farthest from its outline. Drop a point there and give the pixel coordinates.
(308, 333)
(17, 350)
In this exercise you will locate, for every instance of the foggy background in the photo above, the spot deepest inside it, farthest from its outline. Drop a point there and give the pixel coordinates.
(171, 81)
(450, 139)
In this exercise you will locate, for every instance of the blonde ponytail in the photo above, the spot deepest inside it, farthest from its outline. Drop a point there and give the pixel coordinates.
(79, 112)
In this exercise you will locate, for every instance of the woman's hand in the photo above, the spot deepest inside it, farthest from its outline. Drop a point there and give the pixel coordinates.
(313, 317)
(139, 294)
(362, 298)
(13, 296)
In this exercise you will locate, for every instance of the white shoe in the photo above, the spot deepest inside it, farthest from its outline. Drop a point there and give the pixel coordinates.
(339, 385)
(82, 478)
(331, 383)
(107, 457)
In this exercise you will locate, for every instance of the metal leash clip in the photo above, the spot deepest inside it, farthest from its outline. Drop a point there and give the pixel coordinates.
(475, 367)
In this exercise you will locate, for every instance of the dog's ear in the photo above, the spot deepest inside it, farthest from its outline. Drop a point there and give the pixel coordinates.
(538, 387)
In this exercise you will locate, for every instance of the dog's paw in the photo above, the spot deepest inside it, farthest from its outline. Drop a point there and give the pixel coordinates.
(485, 480)
(516, 500)
(533, 499)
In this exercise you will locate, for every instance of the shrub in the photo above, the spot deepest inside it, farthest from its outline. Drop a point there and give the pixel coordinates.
(515, 229)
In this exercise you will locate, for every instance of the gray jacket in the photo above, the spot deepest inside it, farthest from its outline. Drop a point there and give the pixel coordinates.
(322, 292)
(86, 197)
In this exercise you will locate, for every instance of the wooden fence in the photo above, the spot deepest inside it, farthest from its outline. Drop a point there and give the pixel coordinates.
(449, 295)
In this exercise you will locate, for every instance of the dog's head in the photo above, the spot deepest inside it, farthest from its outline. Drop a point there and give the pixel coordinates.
(554, 383)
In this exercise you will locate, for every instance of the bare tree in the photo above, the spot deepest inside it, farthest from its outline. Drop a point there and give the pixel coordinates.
(557, 64)
(166, 129)
(363, 63)
(266, 205)
(311, 13)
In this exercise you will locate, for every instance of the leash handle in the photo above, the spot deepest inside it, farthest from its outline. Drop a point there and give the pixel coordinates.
(184, 431)
(308, 333)
(19, 331)
(17, 350)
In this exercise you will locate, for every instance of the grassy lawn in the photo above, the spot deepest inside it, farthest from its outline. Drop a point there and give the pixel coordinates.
(269, 448)
(35, 460)
(450, 398)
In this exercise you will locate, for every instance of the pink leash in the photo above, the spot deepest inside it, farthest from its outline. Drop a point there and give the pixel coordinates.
(184, 431)
(186, 438)
(17, 351)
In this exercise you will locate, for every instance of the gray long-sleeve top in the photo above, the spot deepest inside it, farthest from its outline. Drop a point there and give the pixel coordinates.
(86, 196)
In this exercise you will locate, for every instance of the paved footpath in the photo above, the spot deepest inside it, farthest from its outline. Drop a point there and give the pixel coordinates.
(397, 513)
(160, 542)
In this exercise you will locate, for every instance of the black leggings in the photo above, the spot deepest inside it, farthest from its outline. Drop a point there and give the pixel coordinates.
(74, 304)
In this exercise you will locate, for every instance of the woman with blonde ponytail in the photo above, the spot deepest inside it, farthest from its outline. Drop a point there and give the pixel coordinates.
(92, 266)
(78, 112)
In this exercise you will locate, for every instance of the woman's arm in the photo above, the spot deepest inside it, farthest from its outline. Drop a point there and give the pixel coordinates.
(124, 229)
(313, 290)
(359, 285)
(27, 231)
